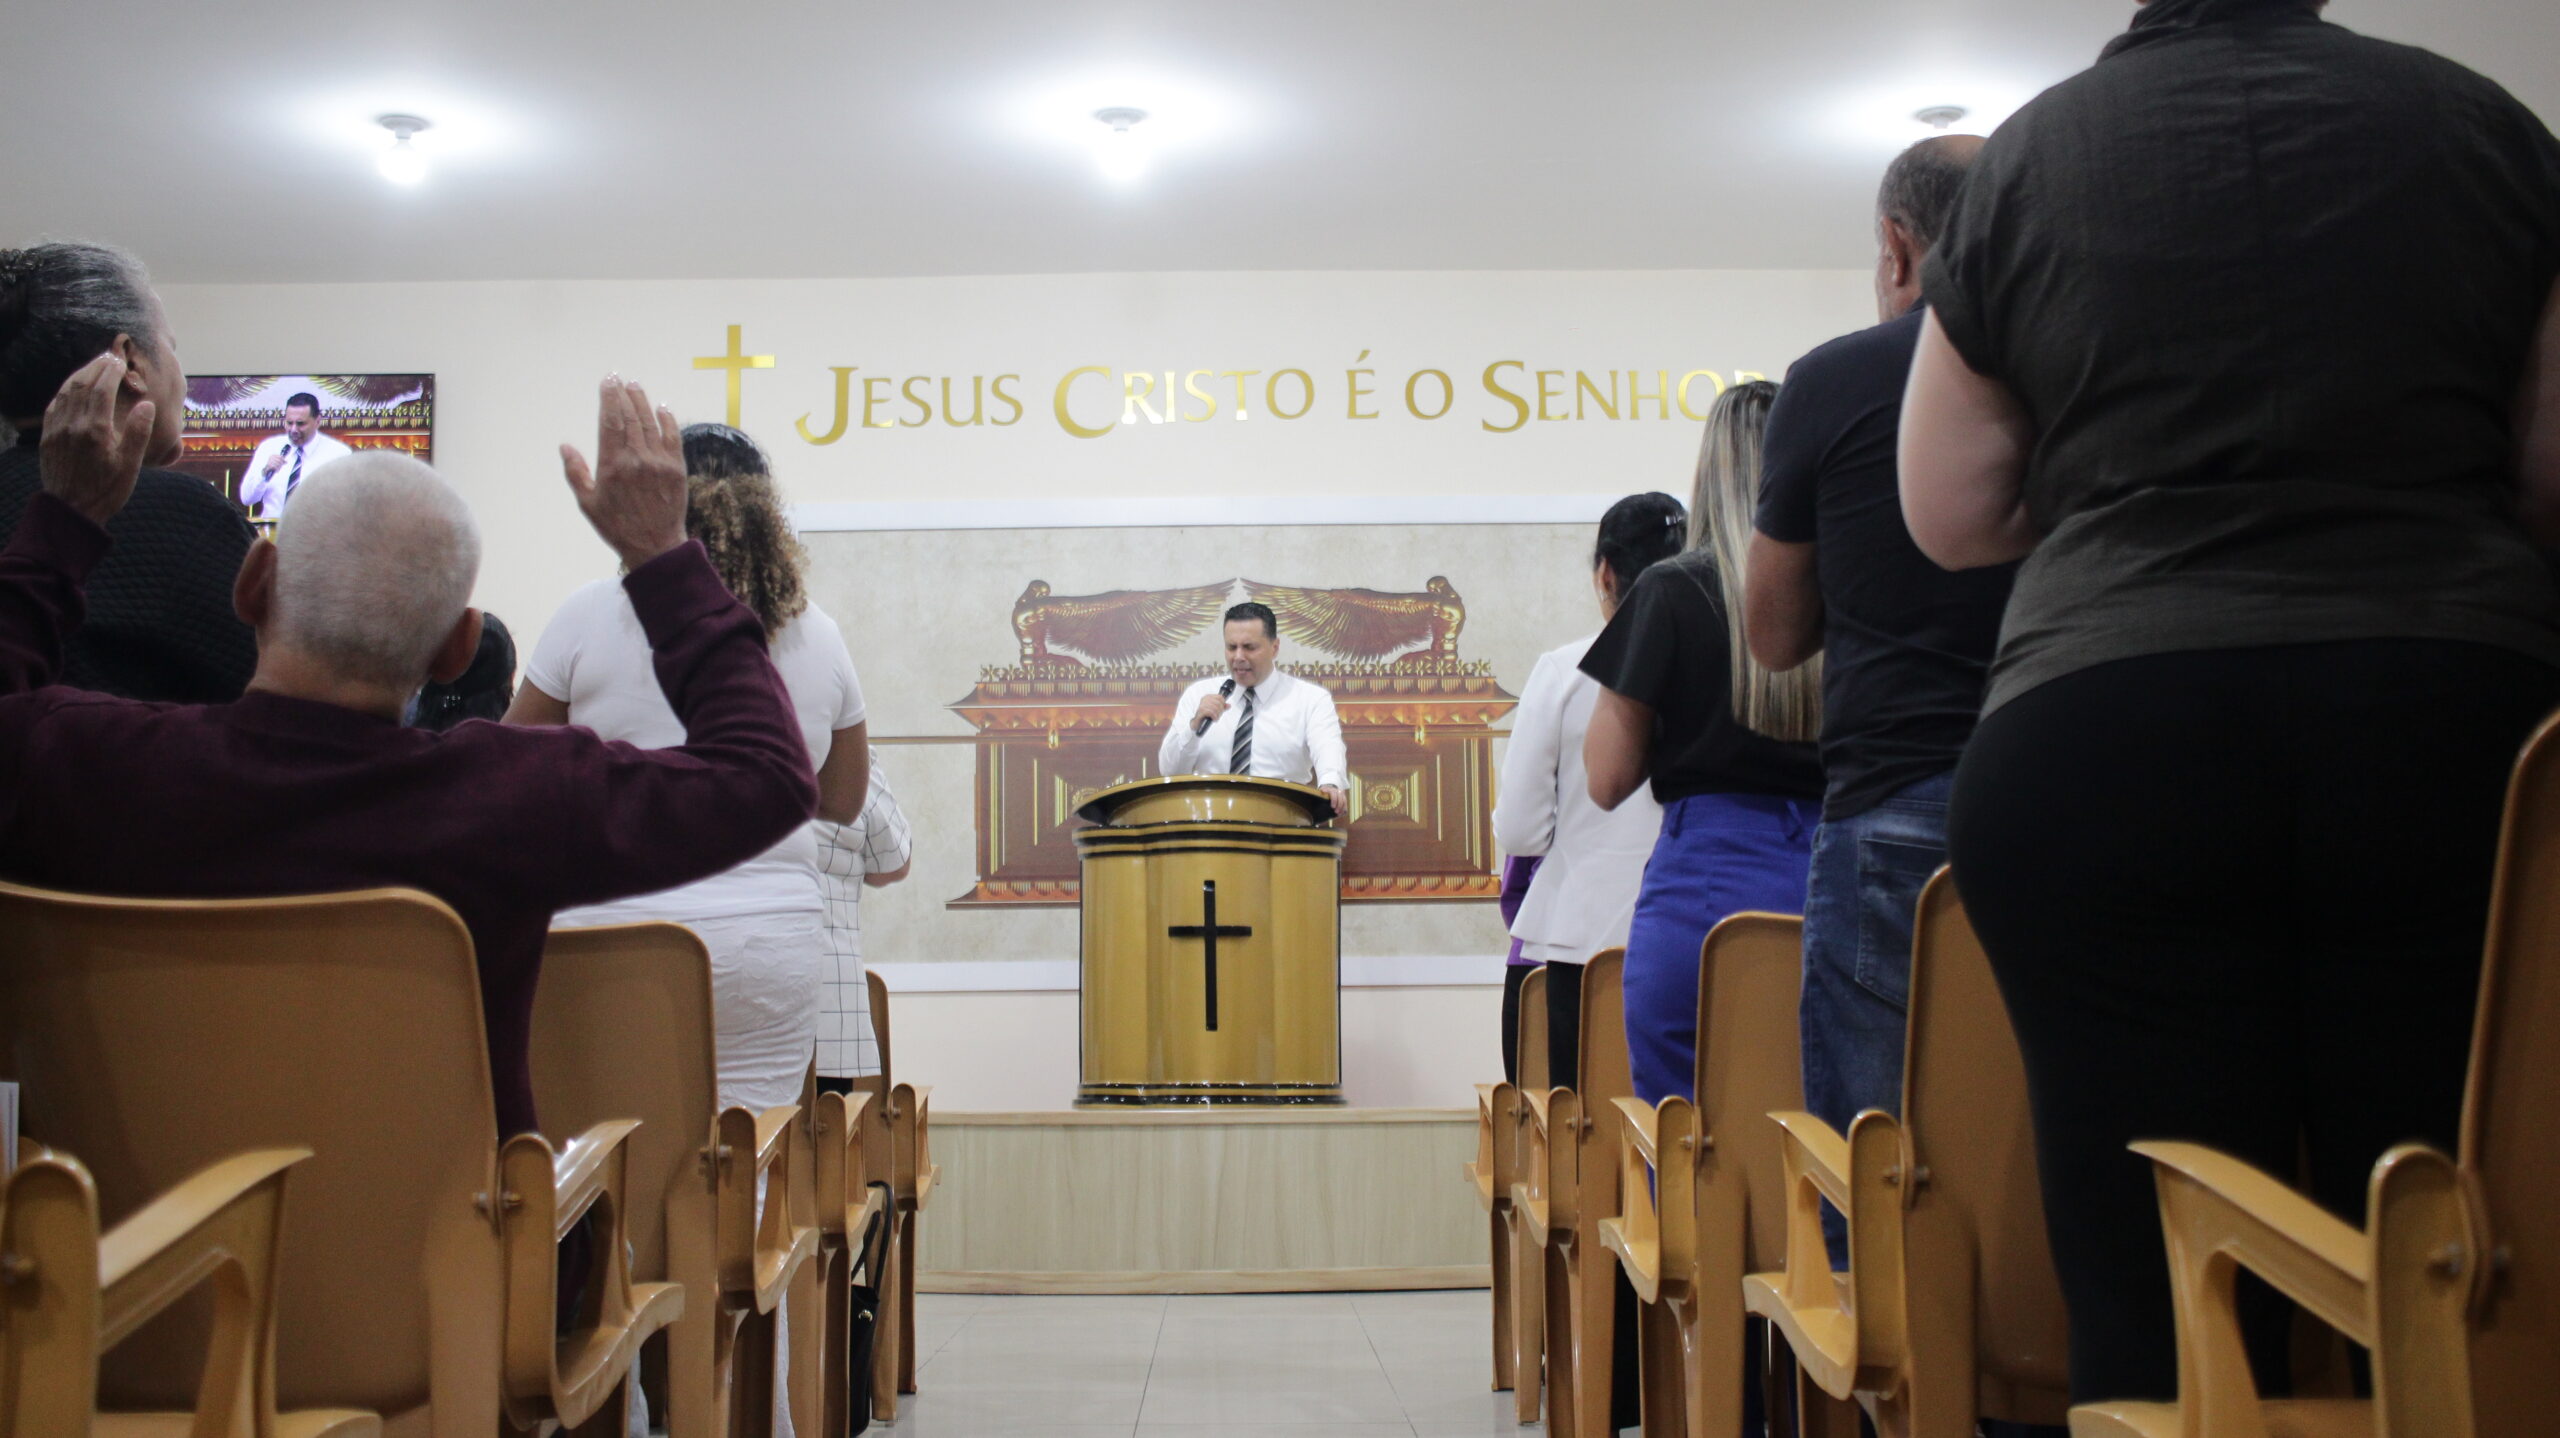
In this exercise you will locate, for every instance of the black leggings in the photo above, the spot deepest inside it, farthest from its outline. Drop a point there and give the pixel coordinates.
(2236, 897)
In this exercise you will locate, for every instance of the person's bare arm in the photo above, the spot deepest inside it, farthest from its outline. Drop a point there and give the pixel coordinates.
(1781, 603)
(1965, 443)
(886, 877)
(1617, 748)
(2538, 431)
(536, 709)
(845, 779)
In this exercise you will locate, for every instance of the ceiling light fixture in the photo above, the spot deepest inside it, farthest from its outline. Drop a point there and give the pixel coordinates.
(402, 163)
(1123, 151)
(1941, 117)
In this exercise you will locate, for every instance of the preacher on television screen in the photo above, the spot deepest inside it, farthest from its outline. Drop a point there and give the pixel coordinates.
(256, 437)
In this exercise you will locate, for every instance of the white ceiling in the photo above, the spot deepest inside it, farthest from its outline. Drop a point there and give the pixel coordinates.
(655, 139)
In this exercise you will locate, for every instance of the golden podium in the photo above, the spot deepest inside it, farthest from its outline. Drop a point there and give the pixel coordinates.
(1212, 944)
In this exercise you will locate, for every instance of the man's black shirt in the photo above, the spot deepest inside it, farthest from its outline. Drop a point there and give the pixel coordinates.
(1906, 646)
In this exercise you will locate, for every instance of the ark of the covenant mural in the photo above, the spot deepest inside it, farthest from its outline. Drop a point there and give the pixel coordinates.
(1082, 708)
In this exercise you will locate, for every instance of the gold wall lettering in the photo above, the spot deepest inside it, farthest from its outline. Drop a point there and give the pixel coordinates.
(1516, 395)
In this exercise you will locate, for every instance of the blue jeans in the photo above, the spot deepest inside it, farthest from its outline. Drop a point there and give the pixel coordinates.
(1859, 909)
(1718, 855)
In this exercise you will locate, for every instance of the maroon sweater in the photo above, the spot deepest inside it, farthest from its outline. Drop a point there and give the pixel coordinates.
(274, 796)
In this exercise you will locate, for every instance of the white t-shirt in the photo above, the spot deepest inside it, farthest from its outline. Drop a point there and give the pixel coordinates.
(595, 658)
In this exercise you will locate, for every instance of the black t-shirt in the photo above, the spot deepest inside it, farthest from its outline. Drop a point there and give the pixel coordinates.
(1906, 646)
(1667, 648)
(2266, 288)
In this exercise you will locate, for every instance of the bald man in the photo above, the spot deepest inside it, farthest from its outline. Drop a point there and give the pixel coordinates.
(1905, 648)
(310, 784)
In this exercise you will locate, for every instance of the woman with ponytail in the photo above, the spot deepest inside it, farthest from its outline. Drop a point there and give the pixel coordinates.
(1584, 894)
(1726, 746)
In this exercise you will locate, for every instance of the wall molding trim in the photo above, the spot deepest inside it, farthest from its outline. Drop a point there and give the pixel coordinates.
(1183, 511)
(1050, 976)
(1226, 1280)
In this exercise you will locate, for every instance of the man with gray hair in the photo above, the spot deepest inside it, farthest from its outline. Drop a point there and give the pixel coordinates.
(310, 783)
(1905, 648)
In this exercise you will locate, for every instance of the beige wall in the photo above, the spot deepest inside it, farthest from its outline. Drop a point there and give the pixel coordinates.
(516, 363)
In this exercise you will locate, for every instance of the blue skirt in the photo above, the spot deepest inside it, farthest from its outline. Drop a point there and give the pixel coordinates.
(1719, 855)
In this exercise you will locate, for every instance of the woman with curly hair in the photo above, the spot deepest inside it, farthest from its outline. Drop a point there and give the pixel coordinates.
(764, 921)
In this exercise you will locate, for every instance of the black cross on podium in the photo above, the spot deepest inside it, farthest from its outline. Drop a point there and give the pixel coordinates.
(1208, 931)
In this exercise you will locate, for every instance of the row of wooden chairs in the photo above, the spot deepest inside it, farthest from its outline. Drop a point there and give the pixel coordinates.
(1948, 1312)
(194, 1053)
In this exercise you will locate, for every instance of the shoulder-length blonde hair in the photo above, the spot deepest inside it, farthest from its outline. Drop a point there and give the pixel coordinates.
(731, 505)
(1722, 506)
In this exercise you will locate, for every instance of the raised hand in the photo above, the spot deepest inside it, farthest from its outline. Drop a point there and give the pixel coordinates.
(635, 494)
(91, 456)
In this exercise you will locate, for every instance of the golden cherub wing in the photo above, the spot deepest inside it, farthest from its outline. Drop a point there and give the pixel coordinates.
(1127, 623)
(1354, 623)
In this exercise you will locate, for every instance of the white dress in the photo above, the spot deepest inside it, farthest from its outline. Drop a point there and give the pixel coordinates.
(763, 921)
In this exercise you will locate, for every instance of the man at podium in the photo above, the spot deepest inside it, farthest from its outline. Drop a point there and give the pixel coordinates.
(1257, 720)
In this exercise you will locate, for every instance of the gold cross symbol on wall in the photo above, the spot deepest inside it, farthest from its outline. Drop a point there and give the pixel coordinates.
(735, 363)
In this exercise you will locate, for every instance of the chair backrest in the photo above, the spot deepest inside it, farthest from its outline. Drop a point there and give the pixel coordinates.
(1532, 1038)
(155, 1037)
(1605, 1074)
(2512, 1110)
(877, 992)
(1750, 980)
(622, 1028)
(1964, 1102)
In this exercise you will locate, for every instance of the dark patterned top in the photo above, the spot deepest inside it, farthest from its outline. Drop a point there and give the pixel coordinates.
(160, 622)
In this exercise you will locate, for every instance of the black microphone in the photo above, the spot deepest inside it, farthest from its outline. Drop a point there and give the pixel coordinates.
(1225, 691)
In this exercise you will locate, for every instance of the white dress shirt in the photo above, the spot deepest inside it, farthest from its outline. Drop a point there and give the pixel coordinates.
(1584, 897)
(268, 495)
(1296, 733)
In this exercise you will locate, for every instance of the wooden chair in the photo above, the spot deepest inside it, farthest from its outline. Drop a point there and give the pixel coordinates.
(1569, 1185)
(66, 1296)
(1523, 1181)
(907, 1112)
(155, 1038)
(852, 1192)
(1701, 1184)
(2454, 1284)
(1950, 1311)
(623, 1024)
(1491, 1173)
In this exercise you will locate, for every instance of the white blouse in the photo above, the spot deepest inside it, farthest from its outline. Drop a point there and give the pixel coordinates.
(1584, 897)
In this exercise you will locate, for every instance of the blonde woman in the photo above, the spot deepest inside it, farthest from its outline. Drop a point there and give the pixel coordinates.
(1726, 745)
(763, 921)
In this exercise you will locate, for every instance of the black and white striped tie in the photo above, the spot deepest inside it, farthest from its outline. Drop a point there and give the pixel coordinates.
(1241, 761)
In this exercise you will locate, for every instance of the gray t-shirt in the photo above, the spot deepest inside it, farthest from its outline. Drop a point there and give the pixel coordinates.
(2266, 289)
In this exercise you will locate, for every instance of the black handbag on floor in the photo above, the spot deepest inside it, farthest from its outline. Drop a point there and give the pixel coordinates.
(869, 1292)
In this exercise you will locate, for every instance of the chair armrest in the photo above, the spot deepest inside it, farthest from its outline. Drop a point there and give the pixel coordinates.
(580, 1172)
(840, 1171)
(756, 1246)
(1640, 1129)
(551, 1377)
(2212, 1203)
(912, 1171)
(1819, 1153)
(228, 1215)
(1534, 1103)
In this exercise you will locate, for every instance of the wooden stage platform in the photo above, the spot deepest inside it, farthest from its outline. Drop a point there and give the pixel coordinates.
(1214, 1201)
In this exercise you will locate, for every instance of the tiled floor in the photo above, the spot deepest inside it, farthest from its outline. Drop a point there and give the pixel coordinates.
(1312, 1365)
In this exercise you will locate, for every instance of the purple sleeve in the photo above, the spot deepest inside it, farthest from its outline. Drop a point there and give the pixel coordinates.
(41, 572)
(640, 820)
(1516, 875)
